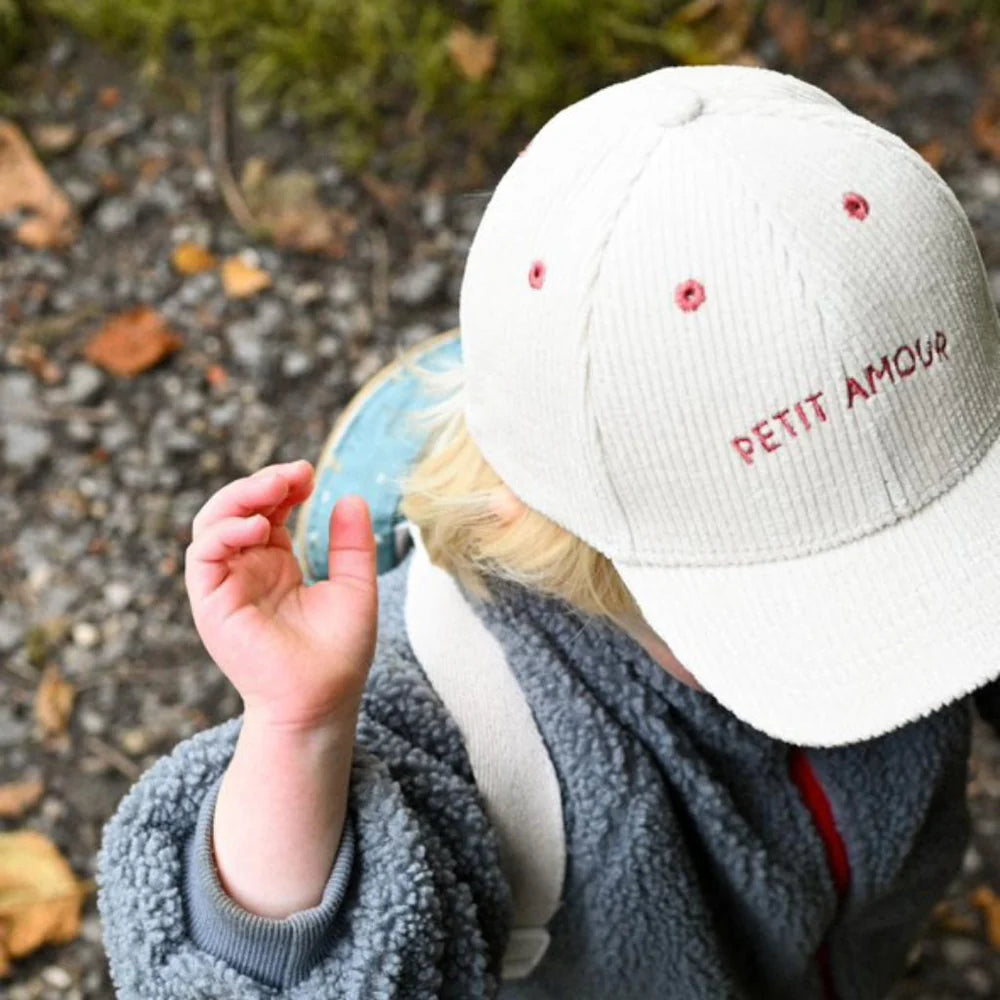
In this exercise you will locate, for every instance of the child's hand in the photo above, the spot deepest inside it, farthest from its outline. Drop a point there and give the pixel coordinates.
(299, 656)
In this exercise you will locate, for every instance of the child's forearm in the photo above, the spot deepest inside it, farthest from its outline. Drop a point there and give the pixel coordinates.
(280, 813)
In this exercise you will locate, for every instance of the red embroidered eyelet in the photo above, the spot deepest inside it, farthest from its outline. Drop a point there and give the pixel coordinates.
(855, 205)
(536, 274)
(689, 295)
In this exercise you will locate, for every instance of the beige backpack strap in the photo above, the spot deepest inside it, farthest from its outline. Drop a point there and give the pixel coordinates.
(466, 666)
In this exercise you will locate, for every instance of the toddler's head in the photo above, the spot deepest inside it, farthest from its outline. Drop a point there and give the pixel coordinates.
(730, 362)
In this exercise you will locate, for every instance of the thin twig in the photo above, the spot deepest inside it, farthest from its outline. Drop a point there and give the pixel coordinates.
(218, 131)
(380, 273)
(92, 415)
(113, 757)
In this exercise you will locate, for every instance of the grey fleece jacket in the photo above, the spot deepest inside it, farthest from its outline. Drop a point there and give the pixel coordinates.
(695, 870)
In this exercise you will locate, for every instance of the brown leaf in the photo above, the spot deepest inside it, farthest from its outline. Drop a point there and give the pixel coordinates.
(389, 196)
(789, 24)
(987, 902)
(54, 701)
(216, 376)
(152, 168)
(109, 97)
(132, 342)
(40, 898)
(17, 797)
(875, 95)
(986, 118)
(192, 258)
(24, 184)
(934, 152)
(474, 55)
(240, 280)
(945, 917)
(891, 42)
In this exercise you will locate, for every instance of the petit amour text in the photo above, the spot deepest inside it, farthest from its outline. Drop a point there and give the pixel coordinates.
(800, 419)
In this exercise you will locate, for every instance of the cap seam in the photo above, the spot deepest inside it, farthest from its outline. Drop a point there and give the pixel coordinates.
(665, 129)
(787, 245)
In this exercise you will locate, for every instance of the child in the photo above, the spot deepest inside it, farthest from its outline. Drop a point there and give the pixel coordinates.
(721, 482)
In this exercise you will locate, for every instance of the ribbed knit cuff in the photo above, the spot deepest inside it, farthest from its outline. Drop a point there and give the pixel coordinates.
(278, 953)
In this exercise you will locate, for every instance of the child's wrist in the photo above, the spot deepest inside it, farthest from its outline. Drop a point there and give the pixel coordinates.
(313, 729)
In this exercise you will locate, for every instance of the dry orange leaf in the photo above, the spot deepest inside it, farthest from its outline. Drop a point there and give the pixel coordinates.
(109, 97)
(54, 701)
(193, 258)
(934, 152)
(389, 196)
(988, 902)
(240, 280)
(40, 898)
(132, 342)
(474, 55)
(885, 40)
(216, 376)
(790, 26)
(945, 917)
(986, 120)
(17, 797)
(24, 184)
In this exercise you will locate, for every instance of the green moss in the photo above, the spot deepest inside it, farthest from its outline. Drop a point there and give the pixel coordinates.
(12, 31)
(375, 67)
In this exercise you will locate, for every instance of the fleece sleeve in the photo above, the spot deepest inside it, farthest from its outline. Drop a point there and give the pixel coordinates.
(415, 907)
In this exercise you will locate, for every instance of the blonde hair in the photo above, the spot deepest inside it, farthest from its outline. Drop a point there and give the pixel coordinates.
(475, 528)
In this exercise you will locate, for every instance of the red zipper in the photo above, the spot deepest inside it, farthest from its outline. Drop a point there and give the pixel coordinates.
(818, 804)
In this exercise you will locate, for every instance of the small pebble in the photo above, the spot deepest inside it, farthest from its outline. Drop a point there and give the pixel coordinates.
(419, 284)
(980, 982)
(959, 951)
(118, 594)
(86, 634)
(55, 976)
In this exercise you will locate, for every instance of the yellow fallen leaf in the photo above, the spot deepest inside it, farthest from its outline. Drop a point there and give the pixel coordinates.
(288, 208)
(708, 31)
(945, 916)
(54, 701)
(474, 55)
(987, 901)
(934, 152)
(192, 258)
(986, 117)
(240, 280)
(17, 797)
(132, 342)
(40, 898)
(24, 184)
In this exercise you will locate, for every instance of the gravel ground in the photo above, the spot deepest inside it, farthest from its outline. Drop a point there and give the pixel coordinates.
(101, 475)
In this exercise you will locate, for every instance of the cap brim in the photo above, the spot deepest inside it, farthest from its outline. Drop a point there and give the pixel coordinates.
(850, 643)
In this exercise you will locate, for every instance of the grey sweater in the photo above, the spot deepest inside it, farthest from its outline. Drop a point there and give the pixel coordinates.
(695, 869)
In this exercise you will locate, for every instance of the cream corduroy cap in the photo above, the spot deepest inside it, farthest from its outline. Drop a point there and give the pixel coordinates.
(741, 340)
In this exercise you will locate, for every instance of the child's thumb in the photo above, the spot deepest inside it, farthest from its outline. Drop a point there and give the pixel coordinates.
(346, 603)
(352, 555)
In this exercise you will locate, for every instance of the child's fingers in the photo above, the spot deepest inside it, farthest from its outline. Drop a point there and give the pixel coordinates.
(205, 559)
(297, 493)
(257, 493)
